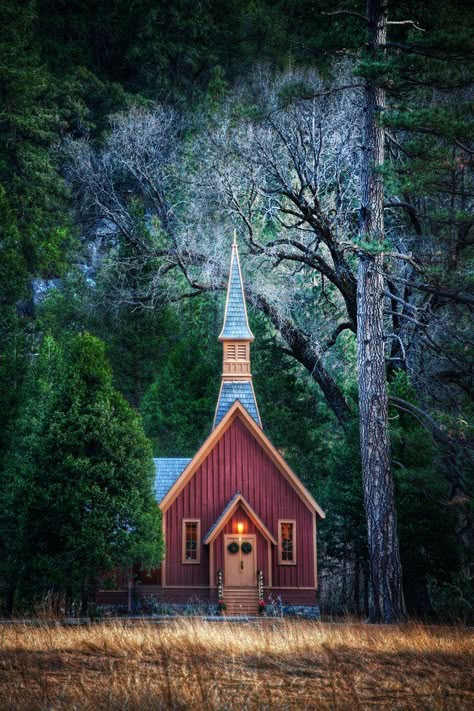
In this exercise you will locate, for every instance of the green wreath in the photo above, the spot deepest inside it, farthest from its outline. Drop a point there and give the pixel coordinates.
(246, 547)
(233, 547)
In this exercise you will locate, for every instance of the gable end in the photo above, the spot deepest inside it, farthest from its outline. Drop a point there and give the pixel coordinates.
(237, 410)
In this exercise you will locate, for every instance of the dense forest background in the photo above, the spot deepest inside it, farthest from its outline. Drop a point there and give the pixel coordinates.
(126, 134)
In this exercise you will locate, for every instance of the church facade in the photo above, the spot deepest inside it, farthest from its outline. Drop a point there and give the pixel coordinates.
(238, 523)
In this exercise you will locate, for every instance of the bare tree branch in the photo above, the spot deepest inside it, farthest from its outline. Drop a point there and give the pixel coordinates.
(347, 12)
(406, 22)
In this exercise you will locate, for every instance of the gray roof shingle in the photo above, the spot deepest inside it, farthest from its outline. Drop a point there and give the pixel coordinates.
(167, 471)
(221, 516)
(233, 390)
(235, 318)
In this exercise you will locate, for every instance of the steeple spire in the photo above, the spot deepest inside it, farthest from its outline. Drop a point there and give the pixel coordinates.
(236, 324)
(236, 338)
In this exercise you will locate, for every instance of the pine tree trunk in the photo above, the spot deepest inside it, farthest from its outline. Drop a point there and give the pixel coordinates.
(85, 599)
(366, 589)
(387, 603)
(357, 587)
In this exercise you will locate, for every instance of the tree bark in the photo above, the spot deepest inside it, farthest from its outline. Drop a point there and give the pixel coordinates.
(85, 601)
(307, 354)
(386, 604)
(366, 588)
(357, 587)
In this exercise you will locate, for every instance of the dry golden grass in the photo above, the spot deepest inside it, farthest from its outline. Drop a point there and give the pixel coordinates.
(272, 665)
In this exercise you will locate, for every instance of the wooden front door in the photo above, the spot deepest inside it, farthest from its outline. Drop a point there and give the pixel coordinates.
(240, 569)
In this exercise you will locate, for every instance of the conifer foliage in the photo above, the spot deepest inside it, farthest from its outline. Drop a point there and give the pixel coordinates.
(78, 479)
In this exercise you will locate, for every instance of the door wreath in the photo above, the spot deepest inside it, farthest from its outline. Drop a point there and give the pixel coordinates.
(246, 547)
(233, 547)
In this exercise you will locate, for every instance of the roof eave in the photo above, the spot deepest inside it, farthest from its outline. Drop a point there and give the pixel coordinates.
(250, 338)
(240, 500)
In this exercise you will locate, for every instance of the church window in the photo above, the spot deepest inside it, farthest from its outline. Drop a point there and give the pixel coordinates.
(191, 541)
(231, 351)
(241, 351)
(287, 542)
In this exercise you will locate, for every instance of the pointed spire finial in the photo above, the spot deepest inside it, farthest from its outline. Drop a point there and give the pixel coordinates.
(236, 325)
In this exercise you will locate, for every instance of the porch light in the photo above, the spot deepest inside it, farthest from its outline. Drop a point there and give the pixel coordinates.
(240, 528)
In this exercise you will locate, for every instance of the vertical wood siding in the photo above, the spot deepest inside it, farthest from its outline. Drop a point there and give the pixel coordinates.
(238, 463)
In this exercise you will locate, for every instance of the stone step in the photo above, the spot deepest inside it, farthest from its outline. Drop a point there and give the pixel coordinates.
(241, 601)
(241, 591)
(238, 612)
(246, 603)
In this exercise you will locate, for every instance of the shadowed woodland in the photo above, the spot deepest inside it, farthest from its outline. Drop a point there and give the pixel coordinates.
(338, 145)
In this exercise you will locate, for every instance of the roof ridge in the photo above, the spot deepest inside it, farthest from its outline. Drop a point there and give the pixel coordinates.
(171, 458)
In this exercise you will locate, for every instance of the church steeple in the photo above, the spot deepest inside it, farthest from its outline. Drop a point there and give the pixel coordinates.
(236, 324)
(236, 338)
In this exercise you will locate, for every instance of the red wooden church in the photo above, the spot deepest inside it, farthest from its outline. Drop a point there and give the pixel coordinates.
(237, 521)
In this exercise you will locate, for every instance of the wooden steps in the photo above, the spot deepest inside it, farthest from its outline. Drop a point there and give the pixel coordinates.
(241, 601)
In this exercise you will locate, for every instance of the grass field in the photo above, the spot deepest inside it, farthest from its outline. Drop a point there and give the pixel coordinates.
(199, 665)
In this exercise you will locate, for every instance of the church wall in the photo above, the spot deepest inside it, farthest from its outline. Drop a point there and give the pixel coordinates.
(238, 463)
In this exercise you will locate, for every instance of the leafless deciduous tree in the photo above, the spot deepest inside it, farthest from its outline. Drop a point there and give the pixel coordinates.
(178, 229)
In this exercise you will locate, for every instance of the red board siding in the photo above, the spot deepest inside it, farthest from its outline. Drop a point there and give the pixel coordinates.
(112, 597)
(293, 597)
(179, 595)
(147, 577)
(238, 463)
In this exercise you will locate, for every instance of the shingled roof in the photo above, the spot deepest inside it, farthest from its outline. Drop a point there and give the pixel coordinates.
(236, 325)
(232, 390)
(238, 500)
(222, 515)
(167, 471)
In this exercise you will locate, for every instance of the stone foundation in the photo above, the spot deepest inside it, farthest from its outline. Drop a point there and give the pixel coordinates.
(308, 612)
(155, 606)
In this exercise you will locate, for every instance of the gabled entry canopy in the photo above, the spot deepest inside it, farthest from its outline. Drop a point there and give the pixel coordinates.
(237, 410)
(236, 501)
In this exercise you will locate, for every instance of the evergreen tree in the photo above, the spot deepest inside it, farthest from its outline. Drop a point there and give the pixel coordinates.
(13, 280)
(79, 478)
(29, 128)
(23, 467)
